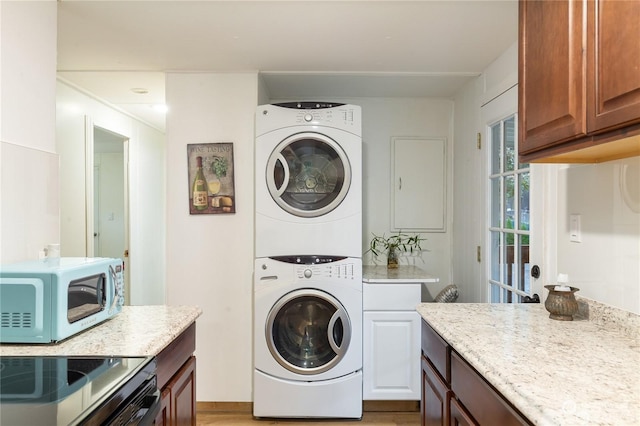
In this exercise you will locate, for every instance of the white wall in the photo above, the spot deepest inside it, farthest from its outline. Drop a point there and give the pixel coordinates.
(28, 52)
(147, 215)
(469, 175)
(383, 119)
(29, 181)
(210, 257)
(605, 266)
(468, 195)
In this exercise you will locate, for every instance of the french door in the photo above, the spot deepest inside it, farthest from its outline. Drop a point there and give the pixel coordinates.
(514, 213)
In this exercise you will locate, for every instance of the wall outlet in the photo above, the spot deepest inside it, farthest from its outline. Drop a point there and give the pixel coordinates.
(575, 229)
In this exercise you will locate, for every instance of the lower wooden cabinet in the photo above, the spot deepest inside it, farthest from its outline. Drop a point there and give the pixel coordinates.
(177, 381)
(453, 393)
(181, 395)
(459, 414)
(483, 404)
(164, 417)
(435, 397)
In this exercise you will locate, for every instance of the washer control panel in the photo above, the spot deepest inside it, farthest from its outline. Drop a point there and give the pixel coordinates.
(321, 267)
(326, 271)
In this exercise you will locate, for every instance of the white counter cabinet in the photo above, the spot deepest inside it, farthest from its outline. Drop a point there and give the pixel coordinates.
(391, 335)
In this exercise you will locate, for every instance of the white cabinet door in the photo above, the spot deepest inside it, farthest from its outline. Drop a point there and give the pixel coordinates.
(418, 194)
(391, 355)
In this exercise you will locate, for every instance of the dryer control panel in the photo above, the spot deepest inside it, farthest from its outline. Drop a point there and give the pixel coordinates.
(342, 115)
(313, 115)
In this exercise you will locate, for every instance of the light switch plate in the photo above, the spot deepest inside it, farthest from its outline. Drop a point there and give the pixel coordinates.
(575, 229)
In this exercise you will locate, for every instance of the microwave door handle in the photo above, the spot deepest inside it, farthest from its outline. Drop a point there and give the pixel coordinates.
(116, 291)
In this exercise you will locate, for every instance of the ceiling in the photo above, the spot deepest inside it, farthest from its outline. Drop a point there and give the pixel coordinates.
(303, 49)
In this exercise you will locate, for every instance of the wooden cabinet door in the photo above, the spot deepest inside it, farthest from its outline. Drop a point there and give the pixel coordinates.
(459, 415)
(164, 416)
(183, 395)
(434, 409)
(614, 64)
(552, 73)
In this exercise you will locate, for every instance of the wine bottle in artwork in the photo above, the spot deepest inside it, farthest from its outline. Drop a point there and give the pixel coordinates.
(200, 200)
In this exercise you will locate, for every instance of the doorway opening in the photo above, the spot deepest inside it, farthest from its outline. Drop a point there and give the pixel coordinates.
(107, 195)
(109, 213)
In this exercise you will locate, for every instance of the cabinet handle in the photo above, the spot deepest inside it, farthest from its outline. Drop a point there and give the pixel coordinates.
(400, 184)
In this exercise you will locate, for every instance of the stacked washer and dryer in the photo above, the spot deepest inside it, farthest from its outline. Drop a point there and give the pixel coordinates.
(308, 266)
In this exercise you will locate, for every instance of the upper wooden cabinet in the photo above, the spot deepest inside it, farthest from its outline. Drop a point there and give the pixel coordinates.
(579, 80)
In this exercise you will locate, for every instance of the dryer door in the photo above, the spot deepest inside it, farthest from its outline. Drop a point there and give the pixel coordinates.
(308, 174)
(308, 331)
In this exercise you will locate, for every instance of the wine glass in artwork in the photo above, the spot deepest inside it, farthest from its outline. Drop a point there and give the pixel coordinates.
(214, 186)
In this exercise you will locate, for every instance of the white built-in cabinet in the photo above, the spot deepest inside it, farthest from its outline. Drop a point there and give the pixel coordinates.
(418, 184)
(392, 331)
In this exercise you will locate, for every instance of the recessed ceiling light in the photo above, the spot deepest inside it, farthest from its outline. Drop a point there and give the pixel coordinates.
(140, 90)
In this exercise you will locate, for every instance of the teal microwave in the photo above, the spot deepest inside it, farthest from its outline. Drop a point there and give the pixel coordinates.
(49, 300)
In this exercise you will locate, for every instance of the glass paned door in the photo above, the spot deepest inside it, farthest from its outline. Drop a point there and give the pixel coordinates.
(509, 230)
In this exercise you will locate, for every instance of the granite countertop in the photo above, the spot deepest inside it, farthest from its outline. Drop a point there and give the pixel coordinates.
(136, 331)
(581, 372)
(378, 274)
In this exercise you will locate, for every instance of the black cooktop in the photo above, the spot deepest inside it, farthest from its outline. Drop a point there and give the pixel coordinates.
(59, 390)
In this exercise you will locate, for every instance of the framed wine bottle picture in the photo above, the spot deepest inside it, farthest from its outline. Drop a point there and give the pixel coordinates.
(211, 181)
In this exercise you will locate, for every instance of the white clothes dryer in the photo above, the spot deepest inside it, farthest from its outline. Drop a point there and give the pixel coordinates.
(308, 337)
(308, 179)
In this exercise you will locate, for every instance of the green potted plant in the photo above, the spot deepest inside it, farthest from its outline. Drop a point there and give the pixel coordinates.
(393, 245)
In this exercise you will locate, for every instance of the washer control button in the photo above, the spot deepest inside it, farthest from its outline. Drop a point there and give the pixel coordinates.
(307, 273)
(308, 117)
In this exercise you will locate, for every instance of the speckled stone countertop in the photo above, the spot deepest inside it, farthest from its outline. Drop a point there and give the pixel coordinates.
(136, 331)
(377, 274)
(581, 372)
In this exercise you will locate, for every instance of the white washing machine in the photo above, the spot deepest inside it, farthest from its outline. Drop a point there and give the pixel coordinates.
(308, 337)
(308, 179)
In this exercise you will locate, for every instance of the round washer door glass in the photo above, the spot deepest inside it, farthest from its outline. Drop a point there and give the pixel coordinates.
(308, 174)
(308, 331)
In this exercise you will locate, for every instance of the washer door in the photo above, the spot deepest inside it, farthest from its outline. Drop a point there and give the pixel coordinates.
(308, 174)
(308, 331)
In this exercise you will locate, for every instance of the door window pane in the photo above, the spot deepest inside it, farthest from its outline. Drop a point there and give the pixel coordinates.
(495, 256)
(523, 184)
(509, 201)
(523, 265)
(509, 144)
(496, 148)
(495, 202)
